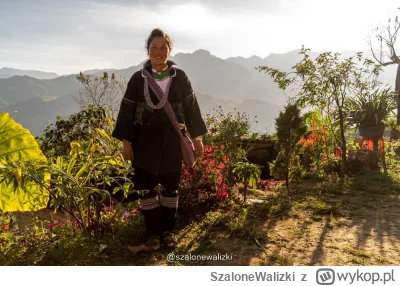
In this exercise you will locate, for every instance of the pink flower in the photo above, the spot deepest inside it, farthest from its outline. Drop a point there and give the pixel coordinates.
(53, 224)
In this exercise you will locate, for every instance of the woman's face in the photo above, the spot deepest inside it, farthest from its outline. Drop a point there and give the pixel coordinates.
(158, 51)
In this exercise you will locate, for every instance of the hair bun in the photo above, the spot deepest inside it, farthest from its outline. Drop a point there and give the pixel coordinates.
(158, 33)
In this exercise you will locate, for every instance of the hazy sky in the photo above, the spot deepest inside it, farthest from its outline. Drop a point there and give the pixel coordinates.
(74, 35)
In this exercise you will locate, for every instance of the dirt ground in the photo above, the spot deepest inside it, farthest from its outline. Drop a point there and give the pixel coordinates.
(362, 229)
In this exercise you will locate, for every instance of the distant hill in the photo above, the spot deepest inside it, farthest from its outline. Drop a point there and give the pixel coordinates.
(249, 63)
(35, 114)
(10, 72)
(262, 114)
(209, 104)
(7, 75)
(233, 83)
(227, 79)
(18, 89)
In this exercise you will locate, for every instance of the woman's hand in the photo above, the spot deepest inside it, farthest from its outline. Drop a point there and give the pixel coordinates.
(127, 150)
(198, 148)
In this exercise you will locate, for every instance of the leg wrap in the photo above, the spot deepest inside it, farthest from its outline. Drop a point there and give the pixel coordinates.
(169, 202)
(149, 203)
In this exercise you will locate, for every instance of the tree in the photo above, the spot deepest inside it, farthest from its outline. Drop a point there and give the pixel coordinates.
(101, 91)
(385, 38)
(290, 127)
(327, 82)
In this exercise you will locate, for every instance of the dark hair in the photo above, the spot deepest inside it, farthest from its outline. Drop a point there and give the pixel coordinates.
(158, 33)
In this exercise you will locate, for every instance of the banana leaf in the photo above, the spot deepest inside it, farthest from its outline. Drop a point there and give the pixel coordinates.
(17, 144)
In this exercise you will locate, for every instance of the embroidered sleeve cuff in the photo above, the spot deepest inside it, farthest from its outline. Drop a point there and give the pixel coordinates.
(198, 138)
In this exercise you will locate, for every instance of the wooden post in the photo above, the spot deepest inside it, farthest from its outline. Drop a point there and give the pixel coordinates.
(375, 143)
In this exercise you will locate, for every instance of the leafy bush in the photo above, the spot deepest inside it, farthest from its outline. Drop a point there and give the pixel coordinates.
(228, 130)
(80, 182)
(317, 149)
(56, 139)
(81, 178)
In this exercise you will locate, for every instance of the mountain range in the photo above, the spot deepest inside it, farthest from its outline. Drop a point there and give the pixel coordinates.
(10, 72)
(234, 84)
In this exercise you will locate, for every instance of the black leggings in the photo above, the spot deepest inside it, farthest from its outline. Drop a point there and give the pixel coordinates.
(159, 212)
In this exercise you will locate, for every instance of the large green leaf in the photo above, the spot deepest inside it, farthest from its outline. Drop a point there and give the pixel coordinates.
(18, 144)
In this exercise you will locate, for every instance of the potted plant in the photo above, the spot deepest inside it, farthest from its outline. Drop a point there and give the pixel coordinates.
(369, 111)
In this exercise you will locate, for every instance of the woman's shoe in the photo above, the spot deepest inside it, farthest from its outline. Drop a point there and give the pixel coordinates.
(153, 242)
(169, 239)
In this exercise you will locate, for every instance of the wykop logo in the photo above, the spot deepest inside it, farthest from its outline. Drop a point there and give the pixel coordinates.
(325, 276)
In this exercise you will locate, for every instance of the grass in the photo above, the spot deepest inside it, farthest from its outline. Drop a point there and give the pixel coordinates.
(43, 247)
(383, 261)
(331, 246)
(361, 253)
(279, 260)
(301, 231)
(332, 221)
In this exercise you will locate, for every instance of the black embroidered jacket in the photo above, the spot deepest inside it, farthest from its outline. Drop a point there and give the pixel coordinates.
(156, 145)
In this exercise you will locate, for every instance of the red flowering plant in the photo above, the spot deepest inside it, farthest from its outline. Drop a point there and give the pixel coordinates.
(227, 132)
(312, 145)
(317, 148)
(222, 149)
(268, 185)
(5, 221)
(209, 185)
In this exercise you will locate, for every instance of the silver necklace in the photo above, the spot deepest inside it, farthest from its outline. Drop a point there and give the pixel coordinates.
(147, 97)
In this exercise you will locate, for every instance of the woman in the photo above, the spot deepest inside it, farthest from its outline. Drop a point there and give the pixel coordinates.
(150, 140)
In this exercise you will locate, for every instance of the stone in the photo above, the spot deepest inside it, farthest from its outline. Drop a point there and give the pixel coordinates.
(363, 160)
